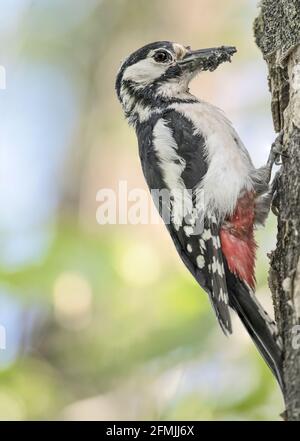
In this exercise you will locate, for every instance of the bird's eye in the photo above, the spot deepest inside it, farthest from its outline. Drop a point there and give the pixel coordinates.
(162, 56)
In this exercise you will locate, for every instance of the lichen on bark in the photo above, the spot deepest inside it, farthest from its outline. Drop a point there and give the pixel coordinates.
(277, 33)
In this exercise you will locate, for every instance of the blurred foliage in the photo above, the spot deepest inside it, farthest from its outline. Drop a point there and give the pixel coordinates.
(103, 322)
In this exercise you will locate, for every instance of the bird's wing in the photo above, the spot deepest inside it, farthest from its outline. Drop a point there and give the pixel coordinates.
(202, 255)
(199, 248)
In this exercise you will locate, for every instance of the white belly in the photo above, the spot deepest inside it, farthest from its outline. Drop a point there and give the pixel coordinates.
(229, 165)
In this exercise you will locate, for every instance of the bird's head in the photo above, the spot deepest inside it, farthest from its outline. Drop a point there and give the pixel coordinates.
(161, 72)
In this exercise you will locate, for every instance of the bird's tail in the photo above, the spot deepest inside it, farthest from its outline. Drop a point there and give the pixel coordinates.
(261, 328)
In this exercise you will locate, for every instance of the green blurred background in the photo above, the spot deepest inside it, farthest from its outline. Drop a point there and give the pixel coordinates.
(104, 322)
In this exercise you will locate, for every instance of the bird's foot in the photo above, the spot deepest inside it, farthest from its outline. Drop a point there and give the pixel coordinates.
(274, 193)
(277, 151)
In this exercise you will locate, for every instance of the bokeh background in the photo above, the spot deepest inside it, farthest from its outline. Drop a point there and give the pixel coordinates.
(103, 321)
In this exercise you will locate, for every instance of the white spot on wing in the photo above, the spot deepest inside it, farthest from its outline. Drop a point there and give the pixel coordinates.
(200, 262)
(206, 235)
(217, 267)
(202, 244)
(188, 231)
(223, 296)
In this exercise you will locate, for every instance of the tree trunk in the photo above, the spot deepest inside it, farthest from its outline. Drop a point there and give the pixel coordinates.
(277, 33)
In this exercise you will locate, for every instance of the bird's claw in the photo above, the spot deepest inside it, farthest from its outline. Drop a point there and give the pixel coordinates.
(274, 191)
(277, 151)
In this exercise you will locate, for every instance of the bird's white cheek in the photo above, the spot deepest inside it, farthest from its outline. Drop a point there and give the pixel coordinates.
(145, 71)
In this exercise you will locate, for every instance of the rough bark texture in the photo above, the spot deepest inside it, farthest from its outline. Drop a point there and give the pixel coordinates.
(277, 32)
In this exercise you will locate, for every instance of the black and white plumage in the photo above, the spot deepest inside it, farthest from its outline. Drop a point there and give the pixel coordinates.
(189, 148)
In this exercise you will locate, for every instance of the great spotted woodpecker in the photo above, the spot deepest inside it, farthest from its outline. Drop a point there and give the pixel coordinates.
(188, 144)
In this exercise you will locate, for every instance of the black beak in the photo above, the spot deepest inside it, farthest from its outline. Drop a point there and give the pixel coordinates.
(206, 59)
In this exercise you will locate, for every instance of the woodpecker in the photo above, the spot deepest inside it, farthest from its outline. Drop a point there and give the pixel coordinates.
(188, 147)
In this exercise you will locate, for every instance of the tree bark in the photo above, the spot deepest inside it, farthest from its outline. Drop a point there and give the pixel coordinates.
(277, 33)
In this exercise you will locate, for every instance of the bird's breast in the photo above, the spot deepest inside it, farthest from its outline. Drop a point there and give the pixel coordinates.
(229, 166)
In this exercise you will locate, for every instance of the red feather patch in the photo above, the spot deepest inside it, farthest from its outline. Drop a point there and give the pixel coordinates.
(237, 240)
